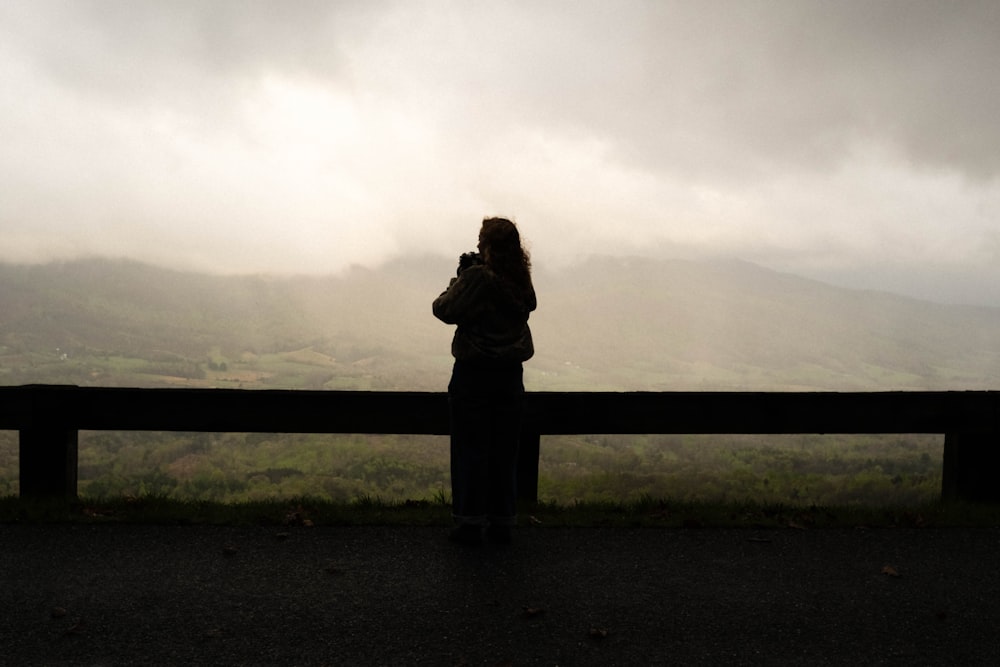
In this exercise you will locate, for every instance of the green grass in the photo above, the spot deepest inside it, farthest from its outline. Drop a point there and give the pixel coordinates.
(368, 510)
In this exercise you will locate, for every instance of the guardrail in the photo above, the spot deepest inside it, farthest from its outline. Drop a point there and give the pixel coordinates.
(49, 417)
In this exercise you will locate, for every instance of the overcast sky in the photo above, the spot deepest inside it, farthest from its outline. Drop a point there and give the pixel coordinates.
(855, 142)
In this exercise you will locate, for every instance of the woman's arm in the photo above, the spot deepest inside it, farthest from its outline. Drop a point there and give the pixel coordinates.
(462, 300)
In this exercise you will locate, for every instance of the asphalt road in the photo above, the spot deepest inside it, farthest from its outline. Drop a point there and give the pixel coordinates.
(80, 594)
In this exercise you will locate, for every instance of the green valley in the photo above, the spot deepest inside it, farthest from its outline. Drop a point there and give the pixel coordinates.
(605, 324)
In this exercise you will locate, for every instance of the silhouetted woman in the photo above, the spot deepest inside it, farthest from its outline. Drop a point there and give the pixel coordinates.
(489, 300)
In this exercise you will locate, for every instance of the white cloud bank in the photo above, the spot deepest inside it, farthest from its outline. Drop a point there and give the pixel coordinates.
(853, 141)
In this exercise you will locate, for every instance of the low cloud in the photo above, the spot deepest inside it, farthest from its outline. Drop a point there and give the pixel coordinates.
(830, 139)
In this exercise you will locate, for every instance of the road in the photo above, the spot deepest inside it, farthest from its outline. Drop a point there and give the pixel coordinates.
(79, 594)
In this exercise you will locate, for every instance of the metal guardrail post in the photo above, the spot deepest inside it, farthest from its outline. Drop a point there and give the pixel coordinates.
(48, 462)
(48, 447)
(969, 472)
(527, 467)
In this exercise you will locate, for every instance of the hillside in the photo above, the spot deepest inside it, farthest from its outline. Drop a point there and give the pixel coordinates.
(603, 324)
(663, 325)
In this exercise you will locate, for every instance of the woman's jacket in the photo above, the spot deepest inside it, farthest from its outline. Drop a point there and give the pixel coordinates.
(491, 314)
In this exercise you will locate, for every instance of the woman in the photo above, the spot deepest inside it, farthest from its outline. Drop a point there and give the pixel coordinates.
(489, 301)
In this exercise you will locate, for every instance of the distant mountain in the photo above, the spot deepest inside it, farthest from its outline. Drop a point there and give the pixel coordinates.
(602, 324)
(732, 325)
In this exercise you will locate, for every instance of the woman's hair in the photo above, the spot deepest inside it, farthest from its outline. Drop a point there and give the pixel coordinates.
(503, 252)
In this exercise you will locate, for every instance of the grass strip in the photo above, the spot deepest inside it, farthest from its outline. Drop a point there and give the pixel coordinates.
(367, 510)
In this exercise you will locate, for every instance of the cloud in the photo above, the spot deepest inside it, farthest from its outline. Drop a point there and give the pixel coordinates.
(832, 139)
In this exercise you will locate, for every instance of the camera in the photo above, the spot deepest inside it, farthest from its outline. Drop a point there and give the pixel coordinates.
(468, 259)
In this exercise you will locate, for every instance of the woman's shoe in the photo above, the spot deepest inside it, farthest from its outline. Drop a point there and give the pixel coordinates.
(467, 534)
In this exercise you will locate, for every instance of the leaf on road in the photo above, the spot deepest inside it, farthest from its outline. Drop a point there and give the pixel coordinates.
(890, 571)
(531, 612)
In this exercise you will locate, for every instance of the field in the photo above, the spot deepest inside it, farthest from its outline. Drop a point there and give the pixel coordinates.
(903, 470)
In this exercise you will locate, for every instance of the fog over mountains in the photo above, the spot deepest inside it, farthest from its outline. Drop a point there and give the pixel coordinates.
(602, 324)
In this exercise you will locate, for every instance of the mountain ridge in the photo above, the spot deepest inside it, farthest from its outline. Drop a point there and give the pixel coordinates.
(604, 323)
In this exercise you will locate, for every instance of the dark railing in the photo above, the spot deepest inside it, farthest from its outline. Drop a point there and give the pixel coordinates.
(49, 417)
